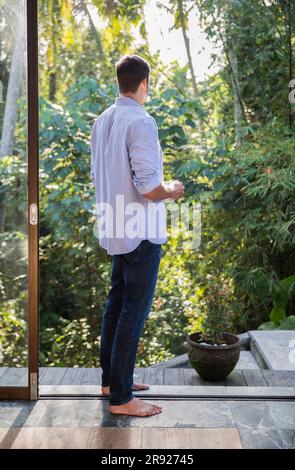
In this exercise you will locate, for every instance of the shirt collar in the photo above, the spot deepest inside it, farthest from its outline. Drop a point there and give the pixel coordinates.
(125, 100)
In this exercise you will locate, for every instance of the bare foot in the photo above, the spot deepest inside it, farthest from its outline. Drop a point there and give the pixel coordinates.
(136, 387)
(135, 407)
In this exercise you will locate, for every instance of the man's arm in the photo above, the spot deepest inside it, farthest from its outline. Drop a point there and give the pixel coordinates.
(173, 190)
(145, 162)
(144, 155)
(93, 142)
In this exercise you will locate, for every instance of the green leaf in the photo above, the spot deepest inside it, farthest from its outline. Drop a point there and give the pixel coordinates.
(269, 325)
(288, 324)
(288, 281)
(278, 314)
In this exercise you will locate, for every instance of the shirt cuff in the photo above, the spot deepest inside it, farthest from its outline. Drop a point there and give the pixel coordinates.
(143, 189)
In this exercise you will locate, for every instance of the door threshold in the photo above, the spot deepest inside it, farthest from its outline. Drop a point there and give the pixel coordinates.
(170, 392)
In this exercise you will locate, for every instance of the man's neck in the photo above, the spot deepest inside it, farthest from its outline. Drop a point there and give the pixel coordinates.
(130, 96)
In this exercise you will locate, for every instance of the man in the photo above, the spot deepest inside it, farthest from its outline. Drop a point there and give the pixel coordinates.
(127, 172)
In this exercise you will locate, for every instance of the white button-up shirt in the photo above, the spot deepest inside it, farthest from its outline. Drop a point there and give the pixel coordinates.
(127, 162)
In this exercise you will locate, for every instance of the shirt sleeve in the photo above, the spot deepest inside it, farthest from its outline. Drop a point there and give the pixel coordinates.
(92, 148)
(144, 155)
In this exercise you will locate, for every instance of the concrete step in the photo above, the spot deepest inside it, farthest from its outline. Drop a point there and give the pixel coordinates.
(274, 350)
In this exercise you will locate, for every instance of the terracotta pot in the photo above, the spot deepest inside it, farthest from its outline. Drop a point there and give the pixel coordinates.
(213, 363)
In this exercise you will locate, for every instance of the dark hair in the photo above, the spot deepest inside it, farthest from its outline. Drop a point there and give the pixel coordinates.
(131, 70)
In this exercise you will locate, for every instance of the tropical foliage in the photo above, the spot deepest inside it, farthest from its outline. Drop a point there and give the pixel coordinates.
(228, 137)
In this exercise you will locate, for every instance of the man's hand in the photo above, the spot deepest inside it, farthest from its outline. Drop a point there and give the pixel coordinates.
(172, 190)
(175, 189)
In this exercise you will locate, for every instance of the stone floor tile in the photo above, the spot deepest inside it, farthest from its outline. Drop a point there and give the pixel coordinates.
(261, 438)
(251, 414)
(283, 414)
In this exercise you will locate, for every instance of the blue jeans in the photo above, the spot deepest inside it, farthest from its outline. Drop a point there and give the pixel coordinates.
(133, 281)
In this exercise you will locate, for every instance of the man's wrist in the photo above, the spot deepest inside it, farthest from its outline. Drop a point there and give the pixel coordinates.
(169, 187)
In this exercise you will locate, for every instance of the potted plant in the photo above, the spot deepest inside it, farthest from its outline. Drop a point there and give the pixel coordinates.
(214, 352)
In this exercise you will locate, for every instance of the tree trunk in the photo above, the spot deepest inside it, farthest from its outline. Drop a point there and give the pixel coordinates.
(52, 86)
(12, 95)
(290, 54)
(231, 57)
(191, 67)
(14, 86)
(188, 49)
(238, 112)
(54, 33)
(93, 29)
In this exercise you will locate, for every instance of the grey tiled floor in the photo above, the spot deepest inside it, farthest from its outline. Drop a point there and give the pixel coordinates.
(260, 424)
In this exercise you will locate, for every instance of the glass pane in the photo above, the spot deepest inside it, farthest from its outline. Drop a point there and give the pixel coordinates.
(13, 195)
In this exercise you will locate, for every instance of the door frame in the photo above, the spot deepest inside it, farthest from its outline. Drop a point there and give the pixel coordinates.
(31, 392)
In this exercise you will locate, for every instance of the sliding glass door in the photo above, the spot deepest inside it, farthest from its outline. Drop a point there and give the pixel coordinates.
(18, 200)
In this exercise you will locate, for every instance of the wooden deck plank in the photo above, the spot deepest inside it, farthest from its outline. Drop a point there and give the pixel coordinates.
(92, 376)
(120, 438)
(254, 378)
(217, 383)
(154, 376)
(150, 375)
(51, 438)
(166, 438)
(190, 438)
(42, 372)
(138, 375)
(235, 379)
(173, 376)
(289, 376)
(116, 438)
(274, 378)
(24, 381)
(73, 375)
(2, 371)
(191, 377)
(13, 376)
(54, 375)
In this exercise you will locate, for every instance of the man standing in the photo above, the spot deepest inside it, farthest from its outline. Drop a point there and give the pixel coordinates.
(127, 172)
